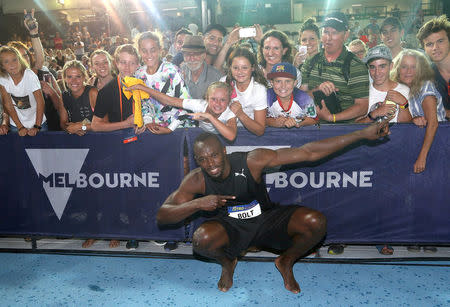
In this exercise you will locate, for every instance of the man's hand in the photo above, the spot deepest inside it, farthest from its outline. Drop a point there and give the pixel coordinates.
(324, 113)
(32, 132)
(327, 88)
(75, 128)
(212, 202)
(233, 37)
(376, 130)
(22, 131)
(384, 109)
(139, 130)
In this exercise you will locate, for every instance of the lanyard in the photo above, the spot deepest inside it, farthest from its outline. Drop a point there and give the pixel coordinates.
(120, 97)
(290, 103)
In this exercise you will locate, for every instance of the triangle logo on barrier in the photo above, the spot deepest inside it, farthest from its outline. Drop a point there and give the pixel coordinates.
(47, 163)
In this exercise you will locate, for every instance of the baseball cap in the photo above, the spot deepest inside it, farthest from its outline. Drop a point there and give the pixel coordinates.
(336, 20)
(378, 52)
(193, 43)
(283, 69)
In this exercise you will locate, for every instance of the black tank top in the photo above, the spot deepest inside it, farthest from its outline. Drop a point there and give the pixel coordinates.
(78, 108)
(239, 183)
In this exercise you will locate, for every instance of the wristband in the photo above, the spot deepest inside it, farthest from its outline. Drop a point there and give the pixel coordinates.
(34, 35)
(404, 106)
(37, 127)
(334, 118)
(370, 117)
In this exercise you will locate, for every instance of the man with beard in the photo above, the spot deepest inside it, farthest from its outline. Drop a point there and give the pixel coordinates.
(231, 189)
(198, 75)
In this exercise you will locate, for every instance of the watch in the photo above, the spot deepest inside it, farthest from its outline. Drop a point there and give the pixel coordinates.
(37, 127)
(84, 127)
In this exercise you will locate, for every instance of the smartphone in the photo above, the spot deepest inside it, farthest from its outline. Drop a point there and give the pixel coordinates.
(302, 50)
(30, 21)
(247, 32)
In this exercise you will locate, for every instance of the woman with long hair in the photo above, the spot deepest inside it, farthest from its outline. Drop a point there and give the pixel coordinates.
(425, 103)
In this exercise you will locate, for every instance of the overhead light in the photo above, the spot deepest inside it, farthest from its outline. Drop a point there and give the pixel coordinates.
(356, 4)
(189, 7)
(60, 2)
(170, 9)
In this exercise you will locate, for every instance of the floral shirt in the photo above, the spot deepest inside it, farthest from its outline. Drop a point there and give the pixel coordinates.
(167, 77)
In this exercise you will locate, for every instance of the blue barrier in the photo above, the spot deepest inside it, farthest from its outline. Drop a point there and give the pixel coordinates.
(56, 184)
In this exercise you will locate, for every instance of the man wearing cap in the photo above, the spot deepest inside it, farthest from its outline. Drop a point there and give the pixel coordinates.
(391, 34)
(288, 106)
(386, 97)
(336, 77)
(198, 75)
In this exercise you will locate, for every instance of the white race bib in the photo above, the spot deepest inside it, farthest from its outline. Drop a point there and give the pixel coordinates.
(246, 211)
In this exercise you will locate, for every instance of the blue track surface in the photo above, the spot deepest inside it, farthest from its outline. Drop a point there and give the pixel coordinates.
(63, 280)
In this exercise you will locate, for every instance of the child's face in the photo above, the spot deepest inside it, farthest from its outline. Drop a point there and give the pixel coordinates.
(218, 101)
(10, 63)
(283, 86)
(241, 69)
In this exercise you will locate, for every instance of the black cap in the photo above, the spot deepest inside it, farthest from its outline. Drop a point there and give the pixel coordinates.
(336, 20)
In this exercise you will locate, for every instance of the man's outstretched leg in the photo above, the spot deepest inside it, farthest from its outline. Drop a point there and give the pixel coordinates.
(306, 228)
(209, 241)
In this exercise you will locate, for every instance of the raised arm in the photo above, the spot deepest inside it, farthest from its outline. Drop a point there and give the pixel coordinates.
(181, 203)
(163, 98)
(35, 42)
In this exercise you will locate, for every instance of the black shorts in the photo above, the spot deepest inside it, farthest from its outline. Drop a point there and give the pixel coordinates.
(268, 230)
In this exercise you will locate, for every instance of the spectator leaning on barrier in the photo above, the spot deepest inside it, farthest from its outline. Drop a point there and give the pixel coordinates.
(287, 105)
(249, 99)
(164, 77)
(78, 101)
(335, 77)
(114, 111)
(413, 68)
(213, 113)
(435, 39)
(21, 93)
(198, 75)
(386, 97)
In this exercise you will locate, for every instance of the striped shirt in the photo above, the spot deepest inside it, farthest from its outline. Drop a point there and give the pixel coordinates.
(358, 77)
(415, 102)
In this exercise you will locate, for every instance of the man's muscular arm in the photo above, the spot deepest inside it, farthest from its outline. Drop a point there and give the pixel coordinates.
(264, 158)
(181, 203)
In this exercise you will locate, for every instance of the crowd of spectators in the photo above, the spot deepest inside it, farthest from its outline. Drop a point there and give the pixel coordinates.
(335, 72)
